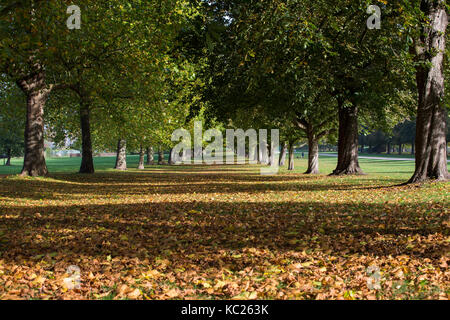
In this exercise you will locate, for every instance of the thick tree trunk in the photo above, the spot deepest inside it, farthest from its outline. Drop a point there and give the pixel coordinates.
(150, 156)
(348, 142)
(87, 160)
(8, 155)
(431, 145)
(283, 154)
(160, 156)
(36, 93)
(141, 159)
(313, 155)
(291, 157)
(121, 159)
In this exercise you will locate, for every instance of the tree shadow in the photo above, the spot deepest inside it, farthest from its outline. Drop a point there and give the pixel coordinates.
(188, 228)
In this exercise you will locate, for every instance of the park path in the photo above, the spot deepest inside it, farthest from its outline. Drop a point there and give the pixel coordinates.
(373, 158)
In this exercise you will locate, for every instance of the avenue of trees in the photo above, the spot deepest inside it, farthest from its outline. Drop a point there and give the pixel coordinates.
(137, 70)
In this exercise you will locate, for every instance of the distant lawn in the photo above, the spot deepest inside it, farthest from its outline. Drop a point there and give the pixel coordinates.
(384, 168)
(382, 155)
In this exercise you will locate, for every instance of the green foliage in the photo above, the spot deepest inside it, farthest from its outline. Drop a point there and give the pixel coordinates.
(12, 118)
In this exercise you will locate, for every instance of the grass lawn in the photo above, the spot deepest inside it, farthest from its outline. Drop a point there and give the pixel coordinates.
(220, 232)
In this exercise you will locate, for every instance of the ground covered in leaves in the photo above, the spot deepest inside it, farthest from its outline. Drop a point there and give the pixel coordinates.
(221, 233)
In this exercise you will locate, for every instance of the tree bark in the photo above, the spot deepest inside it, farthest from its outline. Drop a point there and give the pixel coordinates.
(291, 157)
(400, 147)
(412, 148)
(36, 93)
(431, 145)
(8, 155)
(160, 156)
(283, 154)
(171, 157)
(272, 153)
(121, 159)
(348, 142)
(87, 160)
(313, 155)
(150, 156)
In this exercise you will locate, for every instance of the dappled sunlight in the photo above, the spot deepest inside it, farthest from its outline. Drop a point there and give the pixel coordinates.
(196, 235)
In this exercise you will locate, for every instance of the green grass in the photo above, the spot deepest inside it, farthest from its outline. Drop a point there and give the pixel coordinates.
(381, 155)
(382, 168)
(218, 232)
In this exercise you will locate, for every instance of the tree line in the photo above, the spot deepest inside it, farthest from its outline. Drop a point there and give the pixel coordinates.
(136, 71)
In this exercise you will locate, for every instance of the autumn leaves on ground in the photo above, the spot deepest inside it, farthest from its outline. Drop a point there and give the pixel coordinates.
(222, 232)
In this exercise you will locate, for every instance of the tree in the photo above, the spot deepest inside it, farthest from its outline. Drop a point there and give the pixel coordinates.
(430, 48)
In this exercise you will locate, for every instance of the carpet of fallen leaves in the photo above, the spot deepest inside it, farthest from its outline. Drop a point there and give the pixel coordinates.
(222, 233)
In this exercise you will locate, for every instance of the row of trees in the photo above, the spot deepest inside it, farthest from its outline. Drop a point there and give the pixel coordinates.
(317, 70)
(114, 79)
(135, 72)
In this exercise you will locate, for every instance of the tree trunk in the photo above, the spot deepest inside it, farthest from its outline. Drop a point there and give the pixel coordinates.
(8, 160)
(121, 159)
(272, 154)
(313, 155)
(412, 148)
(400, 147)
(291, 157)
(87, 160)
(160, 156)
(150, 156)
(141, 159)
(171, 157)
(348, 142)
(283, 154)
(36, 93)
(431, 145)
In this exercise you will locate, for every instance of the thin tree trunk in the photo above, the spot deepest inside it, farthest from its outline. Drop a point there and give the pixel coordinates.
(400, 147)
(141, 159)
(121, 159)
(171, 157)
(412, 148)
(36, 93)
(8, 160)
(87, 160)
(283, 154)
(272, 154)
(160, 156)
(291, 156)
(348, 142)
(150, 156)
(431, 145)
(313, 155)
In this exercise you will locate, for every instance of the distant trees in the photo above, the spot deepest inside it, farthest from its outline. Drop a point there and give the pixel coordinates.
(12, 120)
